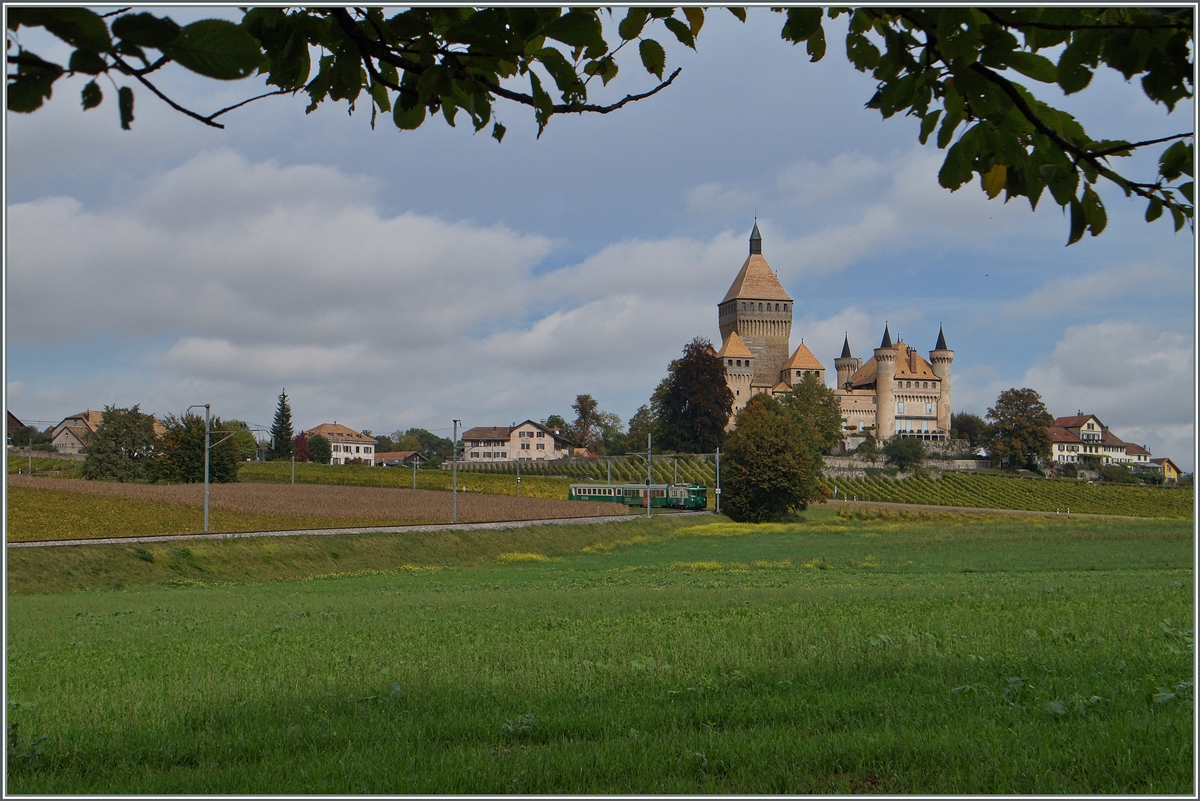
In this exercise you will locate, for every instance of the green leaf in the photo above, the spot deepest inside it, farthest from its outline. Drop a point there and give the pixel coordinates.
(79, 27)
(816, 46)
(928, 123)
(1093, 211)
(994, 180)
(498, 132)
(27, 92)
(1175, 161)
(575, 28)
(682, 32)
(695, 18)
(125, 104)
(654, 58)
(1073, 73)
(802, 23)
(1179, 217)
(1154, 209)
(1186, 191)
(1033, 66)
(91, 95)
(145, 30)
(1078, 222)
(87, 62)
(379, 93)
(216, 48)
(631, 26)
(861, 52)
(738, 12)
(408, 119)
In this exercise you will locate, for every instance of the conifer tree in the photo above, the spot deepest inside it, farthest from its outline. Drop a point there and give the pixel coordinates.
(281, 429)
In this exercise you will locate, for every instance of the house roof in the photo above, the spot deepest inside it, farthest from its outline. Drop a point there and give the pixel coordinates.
(1076, 420)
(756, 280)
(803, 359)
(399, 456)
(1135, 449)
(336, 432)
(487, 432)
(782, 386)
(1060, 434)
(734, 347)
(1165, 461)
(13, 422)
(89, 418)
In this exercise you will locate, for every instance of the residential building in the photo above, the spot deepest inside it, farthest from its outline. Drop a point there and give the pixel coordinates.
(70, 435)
(1170, 470)
(1084, 439)
(400, 459)
(896, 393)
(529, 441)
(345, 443)
(13, 423)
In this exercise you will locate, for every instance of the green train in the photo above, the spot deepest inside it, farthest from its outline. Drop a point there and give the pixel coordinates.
(671, 496)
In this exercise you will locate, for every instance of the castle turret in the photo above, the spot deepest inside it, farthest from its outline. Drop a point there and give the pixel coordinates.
(885, 398)
(846, 365)
(940, 358)
(757, 308)
(739, 366)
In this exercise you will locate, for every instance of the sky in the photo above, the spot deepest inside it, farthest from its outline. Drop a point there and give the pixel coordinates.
(394, 279)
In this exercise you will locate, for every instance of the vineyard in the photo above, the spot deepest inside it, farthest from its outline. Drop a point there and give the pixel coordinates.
(691, 469)
(1002, 492)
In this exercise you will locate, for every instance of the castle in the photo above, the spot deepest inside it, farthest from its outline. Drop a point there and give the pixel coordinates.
(896, 393)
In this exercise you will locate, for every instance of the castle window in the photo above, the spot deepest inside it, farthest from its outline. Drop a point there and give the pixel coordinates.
(924, 385)
(929, 408)
(731, 362)
(900, 407)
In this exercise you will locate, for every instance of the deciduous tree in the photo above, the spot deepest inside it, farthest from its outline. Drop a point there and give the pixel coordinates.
(180, 454)
(320, 451)
(300, 447)
(281, 428)
(696, 401)
(968, 74)
(971, 427)
(815, 404)
(586, 430)
(121, 447)
(1020, 428)
(767, 469)
(904, 453)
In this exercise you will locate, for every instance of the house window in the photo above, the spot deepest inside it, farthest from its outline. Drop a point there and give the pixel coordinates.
(524, 446)
(900, 407)
(541, 434)
(357, 449)
(541, 446)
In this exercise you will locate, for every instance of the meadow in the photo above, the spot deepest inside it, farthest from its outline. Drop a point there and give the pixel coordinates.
(894, 654)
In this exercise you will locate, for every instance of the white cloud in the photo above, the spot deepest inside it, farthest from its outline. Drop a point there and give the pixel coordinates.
(1119, 284)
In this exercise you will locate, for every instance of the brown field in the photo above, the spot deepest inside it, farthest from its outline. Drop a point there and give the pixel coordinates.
(316, 500)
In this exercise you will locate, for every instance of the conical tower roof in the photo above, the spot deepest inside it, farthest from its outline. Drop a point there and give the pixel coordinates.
(887, 337)
(734, 347)
(846, 348)
(941, 343)
(803, 359)
(756, 280)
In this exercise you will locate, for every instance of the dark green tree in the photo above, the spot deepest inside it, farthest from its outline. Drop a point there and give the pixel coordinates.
(434, 448)
(555, 422)
(30, 437)
(971, 427)
(245, 445)
(767, 465)
(281, 429)
(612, 435)
(904, 453)
(1019, 433)
(320, 451)
(868, 449)
(816, 405)
(696, 402)
(180, 454)
(642, 424)
(968, 74)
(122, 446)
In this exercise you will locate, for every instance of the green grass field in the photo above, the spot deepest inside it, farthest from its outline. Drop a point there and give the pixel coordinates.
(364, 476)
(948, 655)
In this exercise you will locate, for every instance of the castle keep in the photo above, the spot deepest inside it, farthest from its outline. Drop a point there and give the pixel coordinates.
(896, 393)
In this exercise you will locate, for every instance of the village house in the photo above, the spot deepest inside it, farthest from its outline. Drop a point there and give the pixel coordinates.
(346, 443)
(1083, 439)
(71, 434)
(528, 442)
(1170, 470)
(400, 459)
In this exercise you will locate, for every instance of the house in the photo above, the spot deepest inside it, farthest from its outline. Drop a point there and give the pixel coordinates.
(1083, 439)
(896, 393)
(70, 435)
(346, 443)
(1170, 470)
(13, 423)
(400, 459)
(527, 442)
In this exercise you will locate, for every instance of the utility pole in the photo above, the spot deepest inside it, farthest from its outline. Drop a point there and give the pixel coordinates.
(207, 448)
(518, 478)
(718, 492)
(414, 472)
(676, 470)
(609, 473)
(649, 468)
(293, 469)
(454, 474)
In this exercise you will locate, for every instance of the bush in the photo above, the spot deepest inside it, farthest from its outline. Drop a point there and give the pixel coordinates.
(768, 469)
(319, 449)
(904, 453)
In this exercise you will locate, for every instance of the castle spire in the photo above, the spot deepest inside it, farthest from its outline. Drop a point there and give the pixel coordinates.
(941, 343)
(887, 336)
(846, 348)
(755, 240)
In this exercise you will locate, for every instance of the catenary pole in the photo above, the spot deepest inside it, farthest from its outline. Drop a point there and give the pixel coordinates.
(454, 474)
(718, 492)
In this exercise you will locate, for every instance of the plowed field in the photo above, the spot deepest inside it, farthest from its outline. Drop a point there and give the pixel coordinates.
(315, 500)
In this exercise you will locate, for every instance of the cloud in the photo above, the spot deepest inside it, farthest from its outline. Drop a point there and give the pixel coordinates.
(1118, 285)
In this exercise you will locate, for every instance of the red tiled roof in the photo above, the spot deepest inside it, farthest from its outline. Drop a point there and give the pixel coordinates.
(336, 432)
(487, 432)
(1132, 449)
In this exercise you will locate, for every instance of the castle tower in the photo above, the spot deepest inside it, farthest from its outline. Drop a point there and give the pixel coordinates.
(846, 365)
(739, 371)
(759, 311)
(885, 398)
(941, 358)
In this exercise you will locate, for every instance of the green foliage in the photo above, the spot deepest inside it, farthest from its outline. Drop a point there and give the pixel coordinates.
(695, 401)
(904, 453)
(971, 427)
(815, 404)
(245, 445)
(122, 446)
(868, 449)
(768, 469)
(965, 73)
(1118, 474)
(434, 448)
(320, 451)
(281, 429)
(586, 430)
(180, 453)
(28, 436)
(642, 425)
(1020, 429)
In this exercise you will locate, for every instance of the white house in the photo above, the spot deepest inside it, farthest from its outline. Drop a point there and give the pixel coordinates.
(527, 442)
(346, 443)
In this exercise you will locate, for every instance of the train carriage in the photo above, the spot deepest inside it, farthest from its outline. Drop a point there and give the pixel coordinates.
(670, 496)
